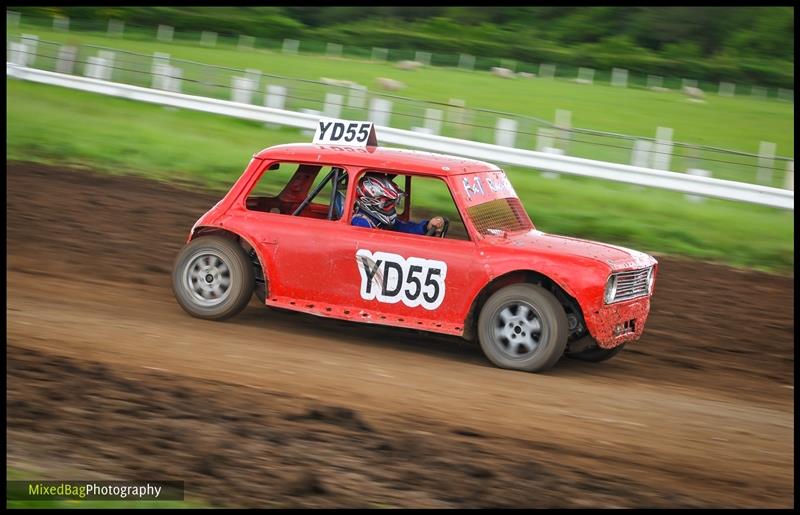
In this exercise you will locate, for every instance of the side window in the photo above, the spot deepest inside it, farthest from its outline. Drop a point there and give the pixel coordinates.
(421, 199)
(298, 189)
(432, 198)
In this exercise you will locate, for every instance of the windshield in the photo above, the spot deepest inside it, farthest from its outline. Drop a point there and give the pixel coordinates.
(500, 216)
(492, 203)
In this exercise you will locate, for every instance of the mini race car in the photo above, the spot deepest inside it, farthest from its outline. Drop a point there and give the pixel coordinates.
(285, 233)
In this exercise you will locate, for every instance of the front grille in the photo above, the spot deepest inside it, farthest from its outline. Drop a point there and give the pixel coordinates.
(631, 284)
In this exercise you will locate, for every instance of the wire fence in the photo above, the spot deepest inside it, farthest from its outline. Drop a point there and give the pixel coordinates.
(351, 101)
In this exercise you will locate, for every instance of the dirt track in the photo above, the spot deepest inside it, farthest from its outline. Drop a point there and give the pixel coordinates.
(107, 377)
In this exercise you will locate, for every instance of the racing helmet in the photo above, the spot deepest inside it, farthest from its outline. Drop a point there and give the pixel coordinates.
(378, 197)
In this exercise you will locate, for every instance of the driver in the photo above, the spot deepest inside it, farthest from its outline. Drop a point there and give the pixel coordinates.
(377, 198)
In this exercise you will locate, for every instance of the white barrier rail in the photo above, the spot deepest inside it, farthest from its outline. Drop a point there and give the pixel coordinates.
(695, 185)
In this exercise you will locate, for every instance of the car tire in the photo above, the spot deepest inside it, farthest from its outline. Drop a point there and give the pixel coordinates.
(523, 327)
(212, 278)
(596, 354)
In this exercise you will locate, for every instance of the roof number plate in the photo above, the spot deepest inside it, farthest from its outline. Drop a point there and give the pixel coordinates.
(331, 131)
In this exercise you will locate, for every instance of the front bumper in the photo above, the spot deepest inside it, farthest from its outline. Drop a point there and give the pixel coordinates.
(613, 324)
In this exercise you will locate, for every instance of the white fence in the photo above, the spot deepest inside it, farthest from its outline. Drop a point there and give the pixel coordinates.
(685, 183)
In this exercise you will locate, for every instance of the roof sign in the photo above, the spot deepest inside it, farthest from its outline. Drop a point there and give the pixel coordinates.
(331, 131)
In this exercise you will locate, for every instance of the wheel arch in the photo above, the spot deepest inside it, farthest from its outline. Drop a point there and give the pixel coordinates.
(567, 301)
(243, 242)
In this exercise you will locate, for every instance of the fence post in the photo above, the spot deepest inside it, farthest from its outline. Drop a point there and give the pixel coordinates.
(547, 71)
(564, 134)
(115, 27)
(640, 156)
(208, 38)
(165, 33)
(18, 53)
(585, 76)
(699, 173)
(65, 62)
(60, 23)
(160, 70)
(276, 99)
(466, 62)
(619, 77)
(290, 46)
(655, 82)
(255, 76)
(357, 96)
(242, 90)
(662, 153)
(727, 89)
(333, 105)
(433, 120)
(333, 50)
(246, 42)
(31, 42)
(766, 162)
(379, 54)
(789, 183)
(505, 132)
(106, 66)
(380, 111)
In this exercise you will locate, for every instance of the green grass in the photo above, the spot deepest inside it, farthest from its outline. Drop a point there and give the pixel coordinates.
(14, 474)
(57, 125)
(738, 123)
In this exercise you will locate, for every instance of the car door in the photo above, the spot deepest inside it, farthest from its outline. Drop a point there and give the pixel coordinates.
(406, 279)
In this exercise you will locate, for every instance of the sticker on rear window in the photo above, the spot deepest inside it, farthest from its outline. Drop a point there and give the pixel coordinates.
(391, 278)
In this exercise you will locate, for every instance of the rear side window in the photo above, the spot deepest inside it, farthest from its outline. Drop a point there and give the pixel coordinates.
(500, 215)
(298, 189)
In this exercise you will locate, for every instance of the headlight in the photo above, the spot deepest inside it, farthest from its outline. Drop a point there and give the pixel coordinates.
(611, 289)
(650, 276)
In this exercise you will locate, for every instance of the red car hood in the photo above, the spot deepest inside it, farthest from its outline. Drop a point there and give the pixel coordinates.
(618, 258)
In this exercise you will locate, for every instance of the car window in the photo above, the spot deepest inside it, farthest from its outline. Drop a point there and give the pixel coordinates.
(422, 199)
(299, 189)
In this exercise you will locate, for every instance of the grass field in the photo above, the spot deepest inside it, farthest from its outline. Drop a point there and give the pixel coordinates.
(56, 125)
(738, 123)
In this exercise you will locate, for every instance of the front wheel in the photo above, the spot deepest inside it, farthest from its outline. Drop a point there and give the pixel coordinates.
(212, 278)
(523, 327)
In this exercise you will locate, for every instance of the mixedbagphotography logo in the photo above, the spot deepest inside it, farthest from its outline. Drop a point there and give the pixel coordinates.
(94, 490)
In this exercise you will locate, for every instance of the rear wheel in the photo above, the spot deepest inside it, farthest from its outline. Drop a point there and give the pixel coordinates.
(212, 278)
(523, 327)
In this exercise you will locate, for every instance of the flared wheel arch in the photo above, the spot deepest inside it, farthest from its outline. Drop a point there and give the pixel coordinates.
(243, 242)
(514, 277)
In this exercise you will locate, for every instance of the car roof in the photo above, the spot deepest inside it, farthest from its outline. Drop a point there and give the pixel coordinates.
(426, 163)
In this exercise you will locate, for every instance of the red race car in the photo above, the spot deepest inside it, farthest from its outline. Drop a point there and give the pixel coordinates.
(329, 228)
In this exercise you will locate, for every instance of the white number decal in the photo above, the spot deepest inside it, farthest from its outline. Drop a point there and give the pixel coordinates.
(391, 278)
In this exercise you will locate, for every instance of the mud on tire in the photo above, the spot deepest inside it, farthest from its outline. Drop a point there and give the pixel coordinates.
(212, 278)
(523, 327)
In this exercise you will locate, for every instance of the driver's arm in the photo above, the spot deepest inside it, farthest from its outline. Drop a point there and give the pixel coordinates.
(411, 227)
